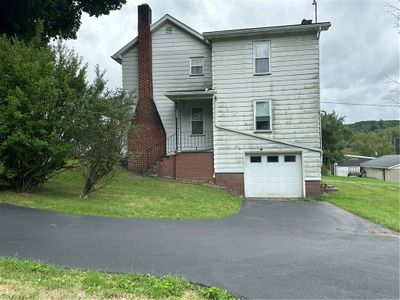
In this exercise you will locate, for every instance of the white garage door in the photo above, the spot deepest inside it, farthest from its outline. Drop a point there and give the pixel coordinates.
(273, 175)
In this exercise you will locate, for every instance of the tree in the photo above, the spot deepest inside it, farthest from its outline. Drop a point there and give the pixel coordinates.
(40, 87)
(335, 137)
(61, 18)
(104, 122)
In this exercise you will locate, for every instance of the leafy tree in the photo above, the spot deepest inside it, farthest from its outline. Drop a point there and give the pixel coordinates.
(104, 120)
(375, 143)
(335, 137)
(39, 89)
(60, 17)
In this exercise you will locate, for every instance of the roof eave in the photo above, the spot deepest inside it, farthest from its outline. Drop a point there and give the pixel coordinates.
(275, 30)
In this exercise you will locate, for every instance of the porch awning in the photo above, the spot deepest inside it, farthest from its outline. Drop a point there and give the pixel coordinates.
(190, 95)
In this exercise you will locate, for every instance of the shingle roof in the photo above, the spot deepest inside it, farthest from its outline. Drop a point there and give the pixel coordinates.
(383, 162)
(353, 162)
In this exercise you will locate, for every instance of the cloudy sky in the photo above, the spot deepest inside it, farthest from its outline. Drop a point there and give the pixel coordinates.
(358, 53)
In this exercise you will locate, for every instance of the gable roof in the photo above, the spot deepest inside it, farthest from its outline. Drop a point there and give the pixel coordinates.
(383, 162)
(117, 56)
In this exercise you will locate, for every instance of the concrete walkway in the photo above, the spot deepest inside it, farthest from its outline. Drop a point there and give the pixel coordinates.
(271, 249)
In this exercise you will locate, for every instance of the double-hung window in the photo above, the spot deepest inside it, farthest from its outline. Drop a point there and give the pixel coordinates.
(261, 57)
(197, 66)
(197, 121)
(262, 115)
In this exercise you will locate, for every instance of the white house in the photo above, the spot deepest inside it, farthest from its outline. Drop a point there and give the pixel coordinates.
(386, 168)
(240, 108)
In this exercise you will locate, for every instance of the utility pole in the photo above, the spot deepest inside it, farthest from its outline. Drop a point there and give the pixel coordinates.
(315, 4)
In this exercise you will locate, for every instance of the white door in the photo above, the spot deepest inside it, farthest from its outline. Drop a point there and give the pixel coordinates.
(273, 176)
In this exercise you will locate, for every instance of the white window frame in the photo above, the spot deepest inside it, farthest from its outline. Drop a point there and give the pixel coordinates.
(269, 57)
(270, 115)
(191, 121)
(190, 65)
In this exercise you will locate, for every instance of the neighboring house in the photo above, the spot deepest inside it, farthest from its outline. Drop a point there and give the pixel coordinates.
(386, 168)
(350, 165)
(239, 108)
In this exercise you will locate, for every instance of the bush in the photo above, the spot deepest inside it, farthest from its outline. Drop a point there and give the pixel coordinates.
(40, 87)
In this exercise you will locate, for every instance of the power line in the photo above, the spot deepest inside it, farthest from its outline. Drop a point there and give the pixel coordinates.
(362, 104)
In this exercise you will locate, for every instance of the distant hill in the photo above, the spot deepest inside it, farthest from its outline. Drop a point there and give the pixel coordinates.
(366, 126)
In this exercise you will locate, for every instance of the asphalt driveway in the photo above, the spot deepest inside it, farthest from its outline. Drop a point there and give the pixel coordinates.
(271, 249)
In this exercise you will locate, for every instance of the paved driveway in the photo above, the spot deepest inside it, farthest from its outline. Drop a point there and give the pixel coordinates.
(271, 249)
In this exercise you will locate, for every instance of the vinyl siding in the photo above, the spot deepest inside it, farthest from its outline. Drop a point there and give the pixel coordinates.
(171, 58)
(293, 88)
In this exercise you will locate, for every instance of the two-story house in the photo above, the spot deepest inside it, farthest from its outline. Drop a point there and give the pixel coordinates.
(239, 108)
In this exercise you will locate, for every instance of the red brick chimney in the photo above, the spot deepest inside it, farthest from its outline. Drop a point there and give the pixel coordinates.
(149, 141)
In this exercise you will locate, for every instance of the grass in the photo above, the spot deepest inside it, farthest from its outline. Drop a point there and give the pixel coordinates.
(130, 196)
(20, 279)
(372, 199)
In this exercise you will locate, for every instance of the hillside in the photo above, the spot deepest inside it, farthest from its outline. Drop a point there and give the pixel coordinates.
(365, 126)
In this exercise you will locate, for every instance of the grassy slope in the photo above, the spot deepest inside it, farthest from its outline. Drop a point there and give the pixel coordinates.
(372, 199)
(130, 196)
(31, 280)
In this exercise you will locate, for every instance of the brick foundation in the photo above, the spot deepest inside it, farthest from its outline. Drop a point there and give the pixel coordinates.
(231, 181)
(198, 166)
(313, 188)
(166, 167)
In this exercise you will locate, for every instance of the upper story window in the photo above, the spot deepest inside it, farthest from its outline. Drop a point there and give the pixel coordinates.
(197, 66)
(262, 115)
(261, 57)
(197, 120)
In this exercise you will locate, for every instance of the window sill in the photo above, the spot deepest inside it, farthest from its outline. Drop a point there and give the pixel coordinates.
(261, 74)
(262, 131)
(194, 135)
(196, 75)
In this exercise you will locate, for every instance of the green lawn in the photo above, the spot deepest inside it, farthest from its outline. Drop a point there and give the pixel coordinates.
(130, 196)
(372, 199)
(21, 279)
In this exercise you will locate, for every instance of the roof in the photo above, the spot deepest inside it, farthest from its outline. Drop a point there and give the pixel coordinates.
(206, 94)
(353, 162)
(271, 30)
(117, 56)
(383, 162)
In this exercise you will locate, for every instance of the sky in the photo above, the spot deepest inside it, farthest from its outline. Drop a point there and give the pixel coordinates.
(358, 54)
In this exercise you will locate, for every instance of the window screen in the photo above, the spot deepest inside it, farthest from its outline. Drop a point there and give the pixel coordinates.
(261, 57)
(263, 116)
(196, 66)
(197, 121)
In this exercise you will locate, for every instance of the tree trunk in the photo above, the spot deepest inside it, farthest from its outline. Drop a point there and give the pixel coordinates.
(88, 188)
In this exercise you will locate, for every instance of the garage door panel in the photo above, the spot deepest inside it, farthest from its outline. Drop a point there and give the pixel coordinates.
(272, 177)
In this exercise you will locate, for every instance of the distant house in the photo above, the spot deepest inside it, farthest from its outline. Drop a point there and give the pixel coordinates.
(386, 168)
(239, 108)
(350, 165)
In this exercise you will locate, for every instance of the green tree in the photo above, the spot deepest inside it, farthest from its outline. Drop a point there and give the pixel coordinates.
(61, 18)
(39, 90)
(104, 120)
(335, 137)
(375, 143)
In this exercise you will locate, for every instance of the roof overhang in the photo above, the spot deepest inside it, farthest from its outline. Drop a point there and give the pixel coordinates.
(117, 56)
(267, 31)
(190, 95)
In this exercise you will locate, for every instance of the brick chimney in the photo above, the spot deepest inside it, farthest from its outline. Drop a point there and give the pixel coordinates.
(149, 141)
